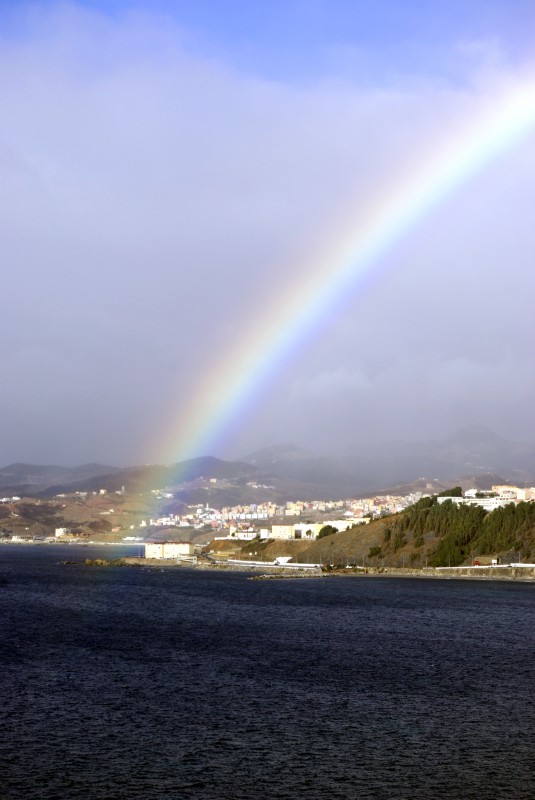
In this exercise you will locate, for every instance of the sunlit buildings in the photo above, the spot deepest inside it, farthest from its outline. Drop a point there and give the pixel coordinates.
(168, 549)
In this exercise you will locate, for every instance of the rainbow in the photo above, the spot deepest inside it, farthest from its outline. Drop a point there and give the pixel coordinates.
(226, 392)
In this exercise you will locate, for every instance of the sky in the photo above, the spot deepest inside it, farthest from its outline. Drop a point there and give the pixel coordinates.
(174, 177)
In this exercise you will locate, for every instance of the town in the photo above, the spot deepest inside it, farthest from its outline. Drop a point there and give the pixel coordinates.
(122, 520)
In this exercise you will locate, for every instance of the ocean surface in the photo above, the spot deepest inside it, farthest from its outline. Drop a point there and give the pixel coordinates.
(140, 683)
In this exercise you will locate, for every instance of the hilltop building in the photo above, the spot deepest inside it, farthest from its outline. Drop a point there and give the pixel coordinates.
(498, 497)
(311, 530)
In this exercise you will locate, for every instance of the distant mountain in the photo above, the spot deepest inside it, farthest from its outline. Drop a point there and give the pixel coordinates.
(286, 471)
(477, 436)
(35, 477)
(278, 453)
(154, 476)
(287, 461)
(476, 450)
(475, 444)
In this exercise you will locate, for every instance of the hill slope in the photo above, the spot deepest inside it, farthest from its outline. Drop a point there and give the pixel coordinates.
(425, 534)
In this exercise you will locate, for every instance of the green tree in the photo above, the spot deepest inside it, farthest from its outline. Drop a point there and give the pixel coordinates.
(455, 492)
(327, 530)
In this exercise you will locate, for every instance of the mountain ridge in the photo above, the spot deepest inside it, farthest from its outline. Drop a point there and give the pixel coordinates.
(288, 467)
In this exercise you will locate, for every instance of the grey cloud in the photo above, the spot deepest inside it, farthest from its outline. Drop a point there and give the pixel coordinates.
(154, 203)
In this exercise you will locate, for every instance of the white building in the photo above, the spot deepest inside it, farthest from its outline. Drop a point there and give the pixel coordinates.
(311, 530)
(488, 503)
(307, 530)
(345, 524)
(515, 492)
(282, 532)
(246, 536)
(168, 549)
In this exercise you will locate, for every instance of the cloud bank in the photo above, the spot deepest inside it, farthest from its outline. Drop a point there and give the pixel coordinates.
(156, 199)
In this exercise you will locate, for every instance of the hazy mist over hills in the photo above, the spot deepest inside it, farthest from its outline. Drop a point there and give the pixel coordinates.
(296, 473)
(468, 451)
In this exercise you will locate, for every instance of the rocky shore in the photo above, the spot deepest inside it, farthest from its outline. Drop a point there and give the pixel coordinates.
(501, 572)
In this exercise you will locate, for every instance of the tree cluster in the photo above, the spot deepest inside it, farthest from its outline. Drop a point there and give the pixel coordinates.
(327, 530)
(465, 531)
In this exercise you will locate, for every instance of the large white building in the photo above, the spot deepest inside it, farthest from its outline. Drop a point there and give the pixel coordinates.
(282, 532)
(310, 530)
(488, 503)
(168, 549)
(515, 492)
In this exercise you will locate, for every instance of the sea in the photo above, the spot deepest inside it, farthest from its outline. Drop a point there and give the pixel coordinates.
(185, 684)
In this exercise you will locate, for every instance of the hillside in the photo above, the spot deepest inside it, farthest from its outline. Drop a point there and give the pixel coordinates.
(461, 533)
(95, 517)
(425, 534)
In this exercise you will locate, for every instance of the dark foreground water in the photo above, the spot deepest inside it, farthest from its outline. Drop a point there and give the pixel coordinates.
(135, 683)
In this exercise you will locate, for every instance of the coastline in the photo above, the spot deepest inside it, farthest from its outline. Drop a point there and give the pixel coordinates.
(506, 572)
(517, 574)
(525, 573)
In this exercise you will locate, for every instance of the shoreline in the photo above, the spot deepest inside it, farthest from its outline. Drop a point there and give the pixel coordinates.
(515, 574)
(70, 542)
(496, 573)
(506, 572)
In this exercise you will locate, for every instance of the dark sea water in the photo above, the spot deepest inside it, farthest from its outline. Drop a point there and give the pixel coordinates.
(138, 683)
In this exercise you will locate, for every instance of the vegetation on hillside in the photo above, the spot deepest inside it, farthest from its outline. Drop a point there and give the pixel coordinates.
(463, 531)
(427, 533)
(327, 530)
